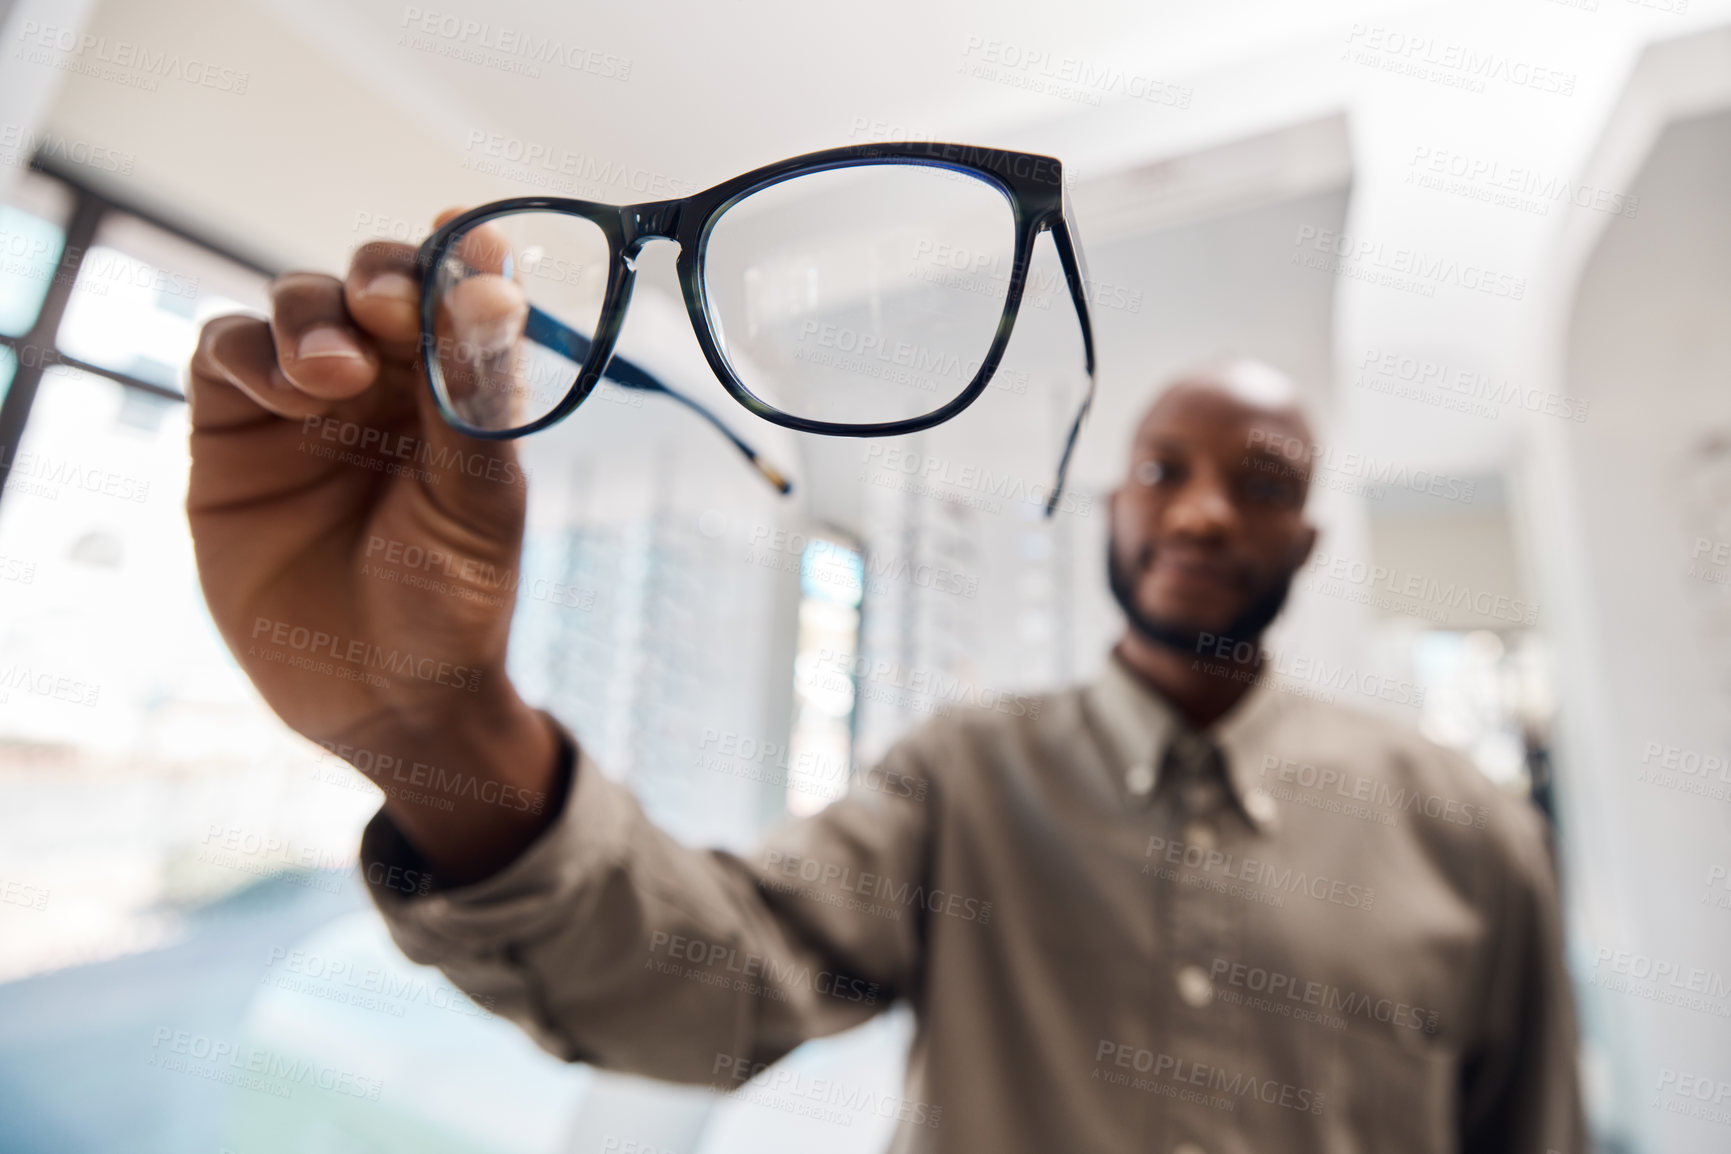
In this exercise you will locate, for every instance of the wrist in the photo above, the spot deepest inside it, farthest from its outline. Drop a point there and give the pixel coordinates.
(468, 787)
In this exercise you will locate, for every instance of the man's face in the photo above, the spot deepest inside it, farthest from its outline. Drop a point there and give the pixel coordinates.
(1208, 528)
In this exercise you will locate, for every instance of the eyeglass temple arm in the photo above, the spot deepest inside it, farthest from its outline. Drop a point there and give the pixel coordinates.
(1076, 273)
(546, 330)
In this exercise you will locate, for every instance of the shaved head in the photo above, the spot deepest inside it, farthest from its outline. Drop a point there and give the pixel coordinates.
(1255, 387)
(1256, 384)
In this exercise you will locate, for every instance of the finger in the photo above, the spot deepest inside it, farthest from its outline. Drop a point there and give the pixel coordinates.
(483, 247)
(487, 310)
(383, 295)
(486, 374)
(383, 288)
(235, 378)
(486, 314)
(318, 347)
(479, 321)
(476, 484)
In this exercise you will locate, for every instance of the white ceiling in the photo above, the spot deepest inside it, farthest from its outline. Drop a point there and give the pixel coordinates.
(342, 116)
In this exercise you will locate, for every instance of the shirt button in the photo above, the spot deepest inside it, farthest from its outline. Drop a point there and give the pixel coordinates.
(1187, 1148)
(1199, 834)
(1260, 805)
(1139, 779)
(1195, 986)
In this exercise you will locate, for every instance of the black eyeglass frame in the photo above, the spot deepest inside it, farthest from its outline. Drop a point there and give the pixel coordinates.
(1033, 185)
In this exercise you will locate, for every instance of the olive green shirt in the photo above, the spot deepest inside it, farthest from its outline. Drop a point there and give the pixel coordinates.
(1306, 929)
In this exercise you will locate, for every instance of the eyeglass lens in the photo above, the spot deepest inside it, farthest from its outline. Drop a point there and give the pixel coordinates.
(855, 295)
(860, 295)
(493, 372)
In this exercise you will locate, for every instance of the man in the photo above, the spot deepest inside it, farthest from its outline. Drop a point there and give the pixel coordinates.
(1174, 910)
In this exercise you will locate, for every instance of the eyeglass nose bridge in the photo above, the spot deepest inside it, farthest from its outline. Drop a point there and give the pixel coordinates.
(642, 223)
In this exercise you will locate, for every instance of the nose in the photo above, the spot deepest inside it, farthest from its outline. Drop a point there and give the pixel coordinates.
(1202, 508)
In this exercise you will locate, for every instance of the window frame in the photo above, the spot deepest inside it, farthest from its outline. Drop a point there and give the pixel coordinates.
(37, 349)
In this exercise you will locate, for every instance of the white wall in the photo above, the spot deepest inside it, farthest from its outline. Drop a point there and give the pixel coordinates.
(1650, 345)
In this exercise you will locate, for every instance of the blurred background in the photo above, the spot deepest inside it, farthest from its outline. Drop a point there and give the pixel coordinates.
(1489, 238)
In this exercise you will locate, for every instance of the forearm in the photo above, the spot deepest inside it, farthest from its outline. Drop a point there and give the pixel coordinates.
(612, 943)
(470, 788)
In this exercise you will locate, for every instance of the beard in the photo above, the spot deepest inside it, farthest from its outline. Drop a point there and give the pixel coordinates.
(1247, 626)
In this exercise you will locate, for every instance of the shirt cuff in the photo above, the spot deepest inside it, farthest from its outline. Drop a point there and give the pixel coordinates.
(520, 901)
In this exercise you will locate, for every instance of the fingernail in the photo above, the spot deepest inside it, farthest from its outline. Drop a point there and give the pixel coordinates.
(491, 338)
(325, 341)
(394, 285)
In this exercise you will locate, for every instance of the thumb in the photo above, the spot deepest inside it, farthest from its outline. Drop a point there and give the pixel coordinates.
(480, 486)
(487, 372)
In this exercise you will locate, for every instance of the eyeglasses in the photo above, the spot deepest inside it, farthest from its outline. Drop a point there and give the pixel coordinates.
(858, 292)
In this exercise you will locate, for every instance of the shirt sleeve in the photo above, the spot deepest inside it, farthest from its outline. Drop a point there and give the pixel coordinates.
(1520, 1089)
(611, 943)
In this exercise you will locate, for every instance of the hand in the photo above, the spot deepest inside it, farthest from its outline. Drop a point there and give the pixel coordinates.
(358, 554)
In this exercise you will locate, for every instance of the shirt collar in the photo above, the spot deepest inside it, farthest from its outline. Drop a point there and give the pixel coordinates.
(1139, 724)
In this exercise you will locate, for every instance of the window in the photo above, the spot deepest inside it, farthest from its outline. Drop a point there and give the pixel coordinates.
(177, 870)
(1490, 696)
(178, 893)
(820, 748)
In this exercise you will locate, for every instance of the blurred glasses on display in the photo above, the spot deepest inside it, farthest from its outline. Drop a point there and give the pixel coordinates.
(859, 292)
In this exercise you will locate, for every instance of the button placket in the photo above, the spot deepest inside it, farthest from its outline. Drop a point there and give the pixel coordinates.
(1198, 924)
(1200, 833)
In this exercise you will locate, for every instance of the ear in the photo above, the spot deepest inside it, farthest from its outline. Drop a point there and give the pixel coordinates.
(1303, 547)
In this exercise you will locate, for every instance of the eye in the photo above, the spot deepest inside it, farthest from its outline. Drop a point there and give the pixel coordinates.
(1150, 473)
(1281, 493)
